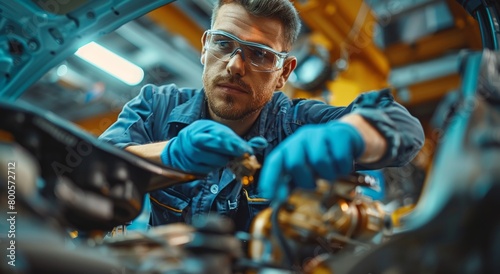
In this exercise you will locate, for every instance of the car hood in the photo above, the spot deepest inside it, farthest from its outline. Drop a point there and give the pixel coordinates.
(37, 35)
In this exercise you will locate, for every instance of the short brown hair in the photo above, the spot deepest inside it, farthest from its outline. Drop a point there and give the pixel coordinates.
(283, 10)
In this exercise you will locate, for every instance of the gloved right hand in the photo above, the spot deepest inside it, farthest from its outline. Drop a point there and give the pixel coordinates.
(325, 151)
(204, 146)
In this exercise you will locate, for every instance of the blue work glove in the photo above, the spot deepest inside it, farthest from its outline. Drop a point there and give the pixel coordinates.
(204, 146)
(326, 151)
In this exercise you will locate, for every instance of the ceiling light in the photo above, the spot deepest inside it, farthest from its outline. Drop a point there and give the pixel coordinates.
(111, 63)
(62, 70)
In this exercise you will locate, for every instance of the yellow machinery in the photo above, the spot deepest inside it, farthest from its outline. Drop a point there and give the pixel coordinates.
(346, 29)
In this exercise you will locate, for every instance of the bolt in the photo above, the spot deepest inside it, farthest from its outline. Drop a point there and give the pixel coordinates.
(90, 15)
(32, 45)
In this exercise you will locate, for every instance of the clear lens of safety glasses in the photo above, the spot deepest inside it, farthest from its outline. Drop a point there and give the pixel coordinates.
(224, 46)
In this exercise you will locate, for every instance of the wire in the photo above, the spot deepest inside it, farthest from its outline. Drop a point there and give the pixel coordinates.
(288, 256)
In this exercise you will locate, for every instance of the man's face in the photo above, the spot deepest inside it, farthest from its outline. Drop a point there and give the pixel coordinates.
(233, 90)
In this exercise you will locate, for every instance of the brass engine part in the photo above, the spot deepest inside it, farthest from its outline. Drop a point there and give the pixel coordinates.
(244, 168)
(308, 216)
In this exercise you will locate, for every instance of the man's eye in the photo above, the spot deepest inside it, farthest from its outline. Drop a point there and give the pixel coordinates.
(259, 53)
(222, 43)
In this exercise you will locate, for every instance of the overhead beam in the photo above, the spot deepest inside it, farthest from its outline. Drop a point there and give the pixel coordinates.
(348, 26)
(99, 123)
(428, 91)
(465, 34)
(174, 20)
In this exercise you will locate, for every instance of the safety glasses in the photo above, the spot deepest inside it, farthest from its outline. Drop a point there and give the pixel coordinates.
(224, 46)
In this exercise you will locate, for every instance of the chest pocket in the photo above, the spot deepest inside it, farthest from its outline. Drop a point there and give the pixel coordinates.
(255, 204)
(250, 206)
(168, 206)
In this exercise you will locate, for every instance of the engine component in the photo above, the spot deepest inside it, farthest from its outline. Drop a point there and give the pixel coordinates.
(331, 217)
(244, 168)
(207, 246)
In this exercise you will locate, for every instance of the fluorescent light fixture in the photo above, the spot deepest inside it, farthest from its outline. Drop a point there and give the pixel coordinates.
(62, 70)
(111, 63)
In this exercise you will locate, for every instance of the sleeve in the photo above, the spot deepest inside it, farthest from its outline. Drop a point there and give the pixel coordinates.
(403, 132)
(134, 123)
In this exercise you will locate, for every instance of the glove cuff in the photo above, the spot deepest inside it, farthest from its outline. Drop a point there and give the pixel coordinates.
(357, 142)
(165, 154)
(387, 129)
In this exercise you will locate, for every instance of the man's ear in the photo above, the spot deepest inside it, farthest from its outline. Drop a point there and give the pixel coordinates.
(203, 50)
(288, 67)
(202, 58)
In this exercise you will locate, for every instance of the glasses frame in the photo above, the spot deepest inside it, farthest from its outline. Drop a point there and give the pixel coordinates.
(280, 55)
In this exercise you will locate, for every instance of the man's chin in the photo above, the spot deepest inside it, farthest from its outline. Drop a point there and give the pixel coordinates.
(229, 112)
(228, 115)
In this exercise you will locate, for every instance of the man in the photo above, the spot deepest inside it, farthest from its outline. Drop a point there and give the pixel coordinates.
(245, 58)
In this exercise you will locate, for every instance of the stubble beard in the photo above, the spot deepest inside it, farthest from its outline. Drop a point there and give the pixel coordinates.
(226, 107)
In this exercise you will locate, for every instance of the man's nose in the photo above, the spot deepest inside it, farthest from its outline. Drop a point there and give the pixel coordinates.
(236, 63)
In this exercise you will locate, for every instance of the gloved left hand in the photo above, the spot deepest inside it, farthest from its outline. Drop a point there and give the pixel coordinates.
(327, 151)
